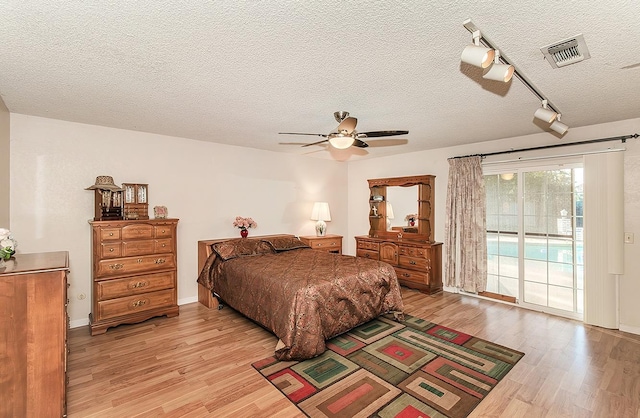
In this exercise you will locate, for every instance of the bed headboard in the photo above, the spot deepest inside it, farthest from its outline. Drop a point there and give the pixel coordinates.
(204, 246)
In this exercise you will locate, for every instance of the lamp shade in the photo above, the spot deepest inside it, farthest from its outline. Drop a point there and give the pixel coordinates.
(477, 55)
(341, 141)
(389, 211)
(389, 215)
(320, 212)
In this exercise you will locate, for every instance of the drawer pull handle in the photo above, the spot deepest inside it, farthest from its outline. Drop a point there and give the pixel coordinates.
(160, 261)
(140, 260)
(110, 234)
(406, 274)
(138, 285)
(116, 266)
(110, 250)
(164, 245)
(139, 303)
(412, 262)
(163, 231)
(319, 244)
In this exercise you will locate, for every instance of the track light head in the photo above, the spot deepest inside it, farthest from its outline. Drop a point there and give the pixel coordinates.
(558, 126)
(477, 55)
(498, 72)
(545, 114)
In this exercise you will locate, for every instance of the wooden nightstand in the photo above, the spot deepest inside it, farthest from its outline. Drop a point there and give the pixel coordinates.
(331, 243)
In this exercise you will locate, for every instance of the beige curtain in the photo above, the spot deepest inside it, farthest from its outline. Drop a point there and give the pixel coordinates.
(465, 226)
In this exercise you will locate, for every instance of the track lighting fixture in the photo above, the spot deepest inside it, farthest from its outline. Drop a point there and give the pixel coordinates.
(498, 72)
(544, 113)
(477, 55)
(502, 70)
(558, 126)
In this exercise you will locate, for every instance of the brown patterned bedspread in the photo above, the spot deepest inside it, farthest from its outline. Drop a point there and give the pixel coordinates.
(304, 296)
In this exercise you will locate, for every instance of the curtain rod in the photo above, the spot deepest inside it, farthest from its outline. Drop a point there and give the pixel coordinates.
(623, 139)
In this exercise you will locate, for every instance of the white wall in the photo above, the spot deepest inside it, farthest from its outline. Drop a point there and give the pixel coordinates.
(5, 173)
(204, 184)
(435, 162)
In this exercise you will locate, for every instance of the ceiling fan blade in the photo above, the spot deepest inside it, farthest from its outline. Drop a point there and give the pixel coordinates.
(377, 134)
(376, 143)
(299, 133)
(360, 144)
(315, 143)
(349, 124)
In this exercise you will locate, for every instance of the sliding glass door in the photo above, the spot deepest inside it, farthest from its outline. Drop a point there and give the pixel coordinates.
(534, 237)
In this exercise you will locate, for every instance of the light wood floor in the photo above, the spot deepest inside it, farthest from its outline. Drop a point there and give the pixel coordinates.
(199, 364)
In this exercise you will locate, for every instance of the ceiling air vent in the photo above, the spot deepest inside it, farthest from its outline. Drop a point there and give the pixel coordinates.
(568, 51)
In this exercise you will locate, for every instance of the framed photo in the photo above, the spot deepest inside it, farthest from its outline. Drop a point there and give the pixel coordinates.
(160, 212)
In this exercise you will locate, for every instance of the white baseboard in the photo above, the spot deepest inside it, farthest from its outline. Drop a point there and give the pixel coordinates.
(77, 323)
(187, 300)
(630, 329)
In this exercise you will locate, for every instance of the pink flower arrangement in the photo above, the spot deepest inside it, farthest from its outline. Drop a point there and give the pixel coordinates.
(244, 223)
(411, 217)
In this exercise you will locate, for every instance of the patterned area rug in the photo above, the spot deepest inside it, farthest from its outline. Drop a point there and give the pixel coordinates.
(386, 368)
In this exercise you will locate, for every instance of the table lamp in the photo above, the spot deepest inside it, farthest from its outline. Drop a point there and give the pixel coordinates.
(321, 214)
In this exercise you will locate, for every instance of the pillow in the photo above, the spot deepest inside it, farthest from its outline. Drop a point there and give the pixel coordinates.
(286, 243)
(237, 247)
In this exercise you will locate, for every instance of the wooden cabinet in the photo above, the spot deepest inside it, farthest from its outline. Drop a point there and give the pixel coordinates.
(134, 272)
(136, 201)
(418, 264)
(331, 243)
(33, 335)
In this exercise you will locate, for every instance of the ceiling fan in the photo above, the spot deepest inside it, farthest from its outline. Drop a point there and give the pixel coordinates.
(345, 135)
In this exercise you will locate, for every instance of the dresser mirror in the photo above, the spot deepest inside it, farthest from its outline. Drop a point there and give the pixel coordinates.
(401, 203)
(392, 199)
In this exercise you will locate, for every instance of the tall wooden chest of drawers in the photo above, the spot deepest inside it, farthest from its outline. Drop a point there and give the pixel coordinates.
(134, 271)
(418, 264)
(33, 335)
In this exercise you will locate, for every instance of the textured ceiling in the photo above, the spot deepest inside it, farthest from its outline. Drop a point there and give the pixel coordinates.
(240, 72)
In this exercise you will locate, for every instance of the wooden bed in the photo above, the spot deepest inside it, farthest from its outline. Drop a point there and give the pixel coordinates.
(303, 296)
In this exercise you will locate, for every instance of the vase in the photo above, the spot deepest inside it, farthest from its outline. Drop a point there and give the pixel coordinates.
(412, 223)
(244, 233)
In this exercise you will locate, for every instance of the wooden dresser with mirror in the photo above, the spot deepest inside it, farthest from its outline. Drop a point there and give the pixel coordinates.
(395, 239)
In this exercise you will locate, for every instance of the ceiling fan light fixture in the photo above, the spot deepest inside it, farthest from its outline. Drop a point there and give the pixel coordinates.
(477, 55)
(341, 141)
(545, 114)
